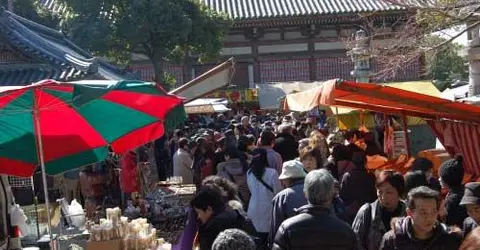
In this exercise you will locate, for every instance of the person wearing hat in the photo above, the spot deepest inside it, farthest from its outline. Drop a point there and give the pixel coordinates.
(471, 200)
(451, 174)
(292, 197)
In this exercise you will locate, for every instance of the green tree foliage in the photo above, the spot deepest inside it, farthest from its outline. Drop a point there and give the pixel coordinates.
(162, 30)
(445, 64)
(33, 11)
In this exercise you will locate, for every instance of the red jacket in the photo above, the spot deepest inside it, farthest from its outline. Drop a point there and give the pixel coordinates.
(130, 181)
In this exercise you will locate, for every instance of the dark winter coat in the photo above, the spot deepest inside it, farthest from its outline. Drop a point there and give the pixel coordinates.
(284, 205)
(286, 146)
(357, 187)
(208, 232)
(314, 228)
(369, 227)
(456, 214)
(401, 238)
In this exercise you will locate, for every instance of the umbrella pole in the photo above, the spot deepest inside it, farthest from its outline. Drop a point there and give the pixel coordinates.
(35, 202)
(44, 174)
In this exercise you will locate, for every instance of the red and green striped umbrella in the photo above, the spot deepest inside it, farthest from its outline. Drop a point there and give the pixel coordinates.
(75, 123)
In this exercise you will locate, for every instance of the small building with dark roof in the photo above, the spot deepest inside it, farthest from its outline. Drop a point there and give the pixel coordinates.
(30, 52)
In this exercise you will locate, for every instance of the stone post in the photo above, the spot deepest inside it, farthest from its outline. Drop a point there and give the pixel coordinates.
(360, 55)
(10, 5)
(473, 55)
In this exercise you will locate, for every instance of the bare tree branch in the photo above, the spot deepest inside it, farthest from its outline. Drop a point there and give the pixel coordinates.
(397, 46)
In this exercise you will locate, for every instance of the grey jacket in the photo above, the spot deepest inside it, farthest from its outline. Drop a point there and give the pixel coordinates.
(284, 206)
(369, 227)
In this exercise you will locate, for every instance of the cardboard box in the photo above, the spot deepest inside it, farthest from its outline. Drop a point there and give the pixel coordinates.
(105, 245)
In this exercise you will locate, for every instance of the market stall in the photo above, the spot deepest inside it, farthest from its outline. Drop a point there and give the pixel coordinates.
(383, 99)
(63, 126)
(207, 106)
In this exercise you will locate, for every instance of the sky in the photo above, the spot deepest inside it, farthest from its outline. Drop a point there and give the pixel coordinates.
(448, 33)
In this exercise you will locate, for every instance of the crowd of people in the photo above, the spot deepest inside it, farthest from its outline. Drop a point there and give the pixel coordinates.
(283, 183)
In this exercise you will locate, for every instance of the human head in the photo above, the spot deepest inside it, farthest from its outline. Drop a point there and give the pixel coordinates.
(287, 119)
(341, 152)
(178, 133)
(422, 207)
(242, 142)
(471, 200)
(303, 143)
(422, 164)
(251, 142)
(231, 153)
(183, 143)
(259, 162)
(390, 187)
(201, 144)
(352, 135)
(472, 241)
(292, 171)
(229, 188)
(267, 138)
(359, 159)
(239, 130)
(311, 158)
(221, 143)
(207, 202)
(310, 121)
(318, 187)
(414, 179)
(245, 121)
(451, 172)
(285, 129)
(192, 146)
(233, 239)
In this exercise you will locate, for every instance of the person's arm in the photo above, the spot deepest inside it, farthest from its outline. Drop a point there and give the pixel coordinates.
(345, 191)
(281, 242)
(187, 161)
(278, 216)
(277, 186)
(360, 226)
(388, 241)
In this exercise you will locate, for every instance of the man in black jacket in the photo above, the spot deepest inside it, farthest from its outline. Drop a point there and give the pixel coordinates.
(315, 227)
(420, 229)
(285, 143)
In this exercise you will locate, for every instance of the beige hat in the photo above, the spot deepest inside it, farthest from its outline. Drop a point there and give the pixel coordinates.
(292, 169)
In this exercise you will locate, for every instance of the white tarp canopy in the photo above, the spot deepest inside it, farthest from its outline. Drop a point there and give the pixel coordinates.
(270, 94)
(207, 105)
(455, 93)
(471, 100)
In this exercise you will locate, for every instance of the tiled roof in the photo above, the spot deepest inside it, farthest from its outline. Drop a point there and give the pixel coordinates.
(61, 59)
(267, 9)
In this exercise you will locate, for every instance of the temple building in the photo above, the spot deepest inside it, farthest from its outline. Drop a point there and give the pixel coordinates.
(295, 40)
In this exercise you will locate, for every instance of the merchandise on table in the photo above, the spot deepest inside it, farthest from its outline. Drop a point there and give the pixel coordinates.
(168, 213)
(115, 229)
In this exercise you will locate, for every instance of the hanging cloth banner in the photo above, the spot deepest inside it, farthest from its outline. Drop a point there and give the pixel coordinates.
(460, 138)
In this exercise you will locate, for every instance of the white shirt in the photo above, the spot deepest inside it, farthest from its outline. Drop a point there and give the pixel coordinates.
(260, 206)
(182, 165)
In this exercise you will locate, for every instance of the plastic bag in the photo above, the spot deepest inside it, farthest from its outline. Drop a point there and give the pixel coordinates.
(76, 214)
(18, 218)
